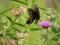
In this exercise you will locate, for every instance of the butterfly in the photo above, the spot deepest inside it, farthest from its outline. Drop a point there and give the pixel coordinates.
(34, 14)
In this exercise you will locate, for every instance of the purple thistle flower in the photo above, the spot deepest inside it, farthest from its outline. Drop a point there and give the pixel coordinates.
(45, 24)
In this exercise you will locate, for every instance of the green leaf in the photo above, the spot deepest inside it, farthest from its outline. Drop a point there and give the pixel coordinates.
(34, 29)
(54, 38)
(1, 34)
(5, 11)
(20, 2)
(42, 8)
(19, 24)
(13, 37)
(26, 0)
(9, 19)
(15, 29)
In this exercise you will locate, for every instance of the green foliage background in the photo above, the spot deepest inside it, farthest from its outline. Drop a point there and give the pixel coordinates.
(6, 6)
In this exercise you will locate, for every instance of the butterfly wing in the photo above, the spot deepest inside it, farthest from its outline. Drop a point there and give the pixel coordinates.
(36, 15)
(30, 13)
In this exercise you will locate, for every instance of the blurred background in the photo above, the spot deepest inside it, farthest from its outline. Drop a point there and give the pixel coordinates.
(15, 31)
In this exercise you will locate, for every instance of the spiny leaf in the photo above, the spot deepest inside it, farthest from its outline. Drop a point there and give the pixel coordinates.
(13, 37)
(42, 8)
(34, 29)
(55, 39)
(5, 11)
(19, 24)
(15, 29)
(9, 19)
(19, 2)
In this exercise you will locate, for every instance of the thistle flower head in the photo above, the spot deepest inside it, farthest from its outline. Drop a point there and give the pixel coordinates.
(22, 9)
(15, 12)
(13, 42)
(45, 24)
(26, 35)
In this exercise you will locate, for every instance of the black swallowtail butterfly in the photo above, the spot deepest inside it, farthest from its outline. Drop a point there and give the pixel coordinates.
(34, 14)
